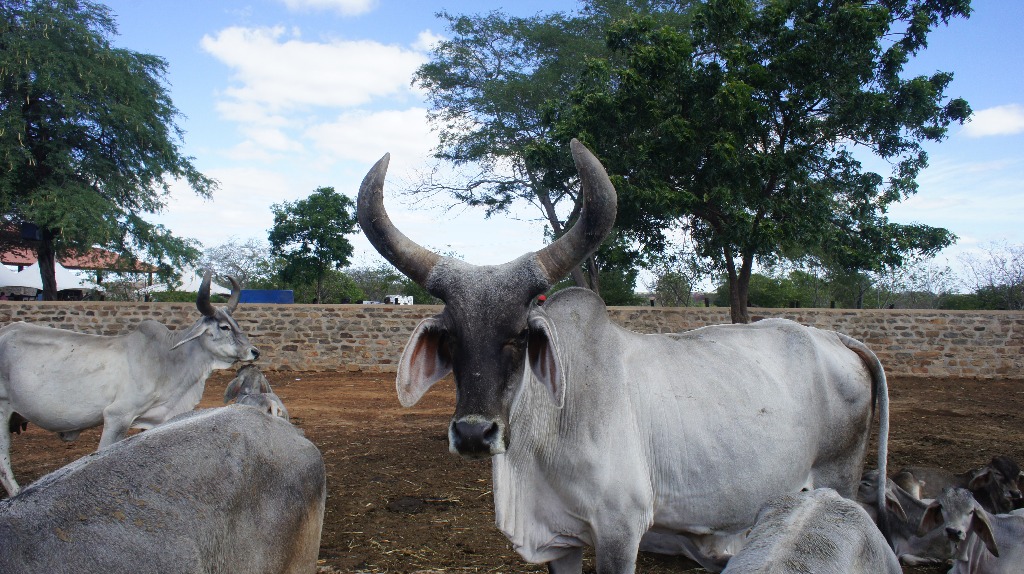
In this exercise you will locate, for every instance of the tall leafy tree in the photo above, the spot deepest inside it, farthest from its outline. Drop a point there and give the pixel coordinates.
(309, 234)
(88, 137)
(491, 87)
(743, 128)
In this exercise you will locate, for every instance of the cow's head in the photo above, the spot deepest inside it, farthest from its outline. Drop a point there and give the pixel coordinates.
(998, 483)
(217, 332)
(490, 328)
(961, 515)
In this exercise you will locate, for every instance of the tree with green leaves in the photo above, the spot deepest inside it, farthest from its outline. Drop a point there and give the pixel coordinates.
(492, 87)
(743, 128)
(88, 137)
(309, 234)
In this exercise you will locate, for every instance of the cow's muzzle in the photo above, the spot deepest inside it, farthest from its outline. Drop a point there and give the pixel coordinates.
(476, 437)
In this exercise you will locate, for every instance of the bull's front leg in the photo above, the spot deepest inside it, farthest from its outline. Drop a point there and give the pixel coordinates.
(6, 473)
(116, 422)
(569, 563)
(616, 547)
(618, 557)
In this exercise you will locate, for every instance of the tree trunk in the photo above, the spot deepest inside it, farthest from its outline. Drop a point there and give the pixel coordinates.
(739, 286)
(590, 279)
(738, 293)
(47, 271)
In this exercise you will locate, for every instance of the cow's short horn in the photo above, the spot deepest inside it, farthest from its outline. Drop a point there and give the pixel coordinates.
(203, 300)
(595, 222)
(409, 257)
(236, 293)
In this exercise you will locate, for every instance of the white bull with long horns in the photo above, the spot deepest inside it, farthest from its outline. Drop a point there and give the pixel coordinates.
(66, 382)
(621, 441)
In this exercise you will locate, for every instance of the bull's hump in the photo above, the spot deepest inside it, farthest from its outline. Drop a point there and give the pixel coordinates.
(582, 302)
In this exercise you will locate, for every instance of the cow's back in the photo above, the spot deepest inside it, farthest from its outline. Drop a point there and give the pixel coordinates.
(220, 490)
(40, 363)
(41, 367)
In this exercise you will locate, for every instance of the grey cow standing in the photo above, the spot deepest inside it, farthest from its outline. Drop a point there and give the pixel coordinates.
(607, 438)
(216, 491)
(66, 382)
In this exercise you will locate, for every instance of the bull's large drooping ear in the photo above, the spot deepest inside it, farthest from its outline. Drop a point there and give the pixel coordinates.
(931, 519)
(981, 480)
(892, 504)
(425, 361)
(194, 332)
(983, 529)
(542, 350)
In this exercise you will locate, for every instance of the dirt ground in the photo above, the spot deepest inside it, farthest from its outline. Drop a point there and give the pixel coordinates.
(399, 502)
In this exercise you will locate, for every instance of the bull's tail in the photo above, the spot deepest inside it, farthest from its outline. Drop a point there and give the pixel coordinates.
(880, 402)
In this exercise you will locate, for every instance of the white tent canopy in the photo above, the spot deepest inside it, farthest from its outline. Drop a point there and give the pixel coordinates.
(11, 278)
(29, 277)
(190, 281)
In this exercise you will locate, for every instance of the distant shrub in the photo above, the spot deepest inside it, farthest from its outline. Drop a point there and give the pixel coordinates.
(182, 297)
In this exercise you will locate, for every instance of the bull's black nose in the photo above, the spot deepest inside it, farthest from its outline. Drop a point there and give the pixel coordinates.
(255, 353)
(954, 534)
(476, 437)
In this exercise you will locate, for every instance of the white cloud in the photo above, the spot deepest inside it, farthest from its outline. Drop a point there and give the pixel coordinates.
(365, 136)
(249, 113)
(239, 208)
(284, 89)
(426, 40)
(276, 70)
(996, 121)
(343, 7)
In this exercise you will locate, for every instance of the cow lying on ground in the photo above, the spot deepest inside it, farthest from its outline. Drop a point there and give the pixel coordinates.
(66, 382)
(607, 438)
(251, 387)
(217, 490)
(985, 543)
(997, 485)
(814, 531)
(905, 512)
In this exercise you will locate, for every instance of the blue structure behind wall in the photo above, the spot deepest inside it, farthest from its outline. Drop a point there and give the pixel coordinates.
(283, 296)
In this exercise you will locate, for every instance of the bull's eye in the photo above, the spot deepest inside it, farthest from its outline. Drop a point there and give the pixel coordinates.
(517, 342)
(225, 328)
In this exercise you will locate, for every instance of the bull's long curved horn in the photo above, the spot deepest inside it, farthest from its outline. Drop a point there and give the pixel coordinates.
(595, 222)
(203, 300)
(409, 257)
(236, 293)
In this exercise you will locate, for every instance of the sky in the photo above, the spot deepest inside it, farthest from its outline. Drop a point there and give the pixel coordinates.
(280, 97)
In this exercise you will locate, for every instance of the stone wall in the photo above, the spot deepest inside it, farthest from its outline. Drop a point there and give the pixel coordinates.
(980, 344)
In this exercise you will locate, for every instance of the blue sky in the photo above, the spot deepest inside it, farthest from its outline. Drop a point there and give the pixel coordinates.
(280, 97)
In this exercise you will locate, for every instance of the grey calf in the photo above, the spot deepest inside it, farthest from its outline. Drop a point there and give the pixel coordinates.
(985, 543)
(997, 485)
(815, 531)
(251, 387)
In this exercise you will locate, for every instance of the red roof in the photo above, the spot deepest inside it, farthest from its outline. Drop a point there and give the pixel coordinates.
(94, 259)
